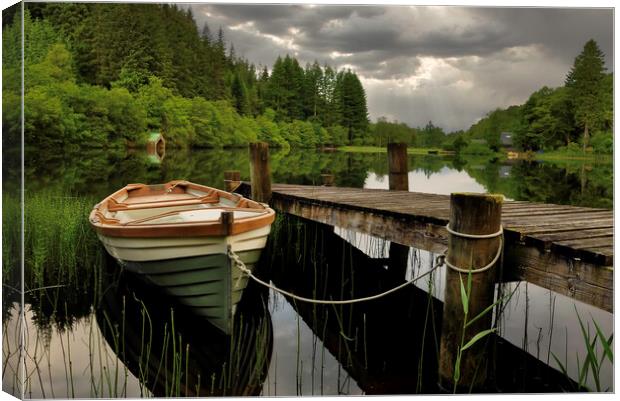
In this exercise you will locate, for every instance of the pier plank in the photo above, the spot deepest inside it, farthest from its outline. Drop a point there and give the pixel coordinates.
(563, 248)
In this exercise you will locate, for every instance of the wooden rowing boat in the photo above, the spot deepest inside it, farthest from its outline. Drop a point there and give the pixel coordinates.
(178, 234)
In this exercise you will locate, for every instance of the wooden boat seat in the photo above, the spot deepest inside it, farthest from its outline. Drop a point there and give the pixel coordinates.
(177, 209)
(174, 212)
(115, 206)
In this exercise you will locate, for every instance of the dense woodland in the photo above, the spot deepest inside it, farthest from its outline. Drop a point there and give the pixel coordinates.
(574, 117)
(106, 74)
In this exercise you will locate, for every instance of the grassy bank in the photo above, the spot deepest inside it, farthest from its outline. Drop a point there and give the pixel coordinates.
(382, 149)
(568, 155)
(63, 258)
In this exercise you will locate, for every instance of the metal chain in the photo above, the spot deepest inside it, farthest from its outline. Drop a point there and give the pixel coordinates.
(241, 266)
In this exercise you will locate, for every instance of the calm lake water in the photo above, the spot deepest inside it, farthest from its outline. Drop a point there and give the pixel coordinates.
(94, 331)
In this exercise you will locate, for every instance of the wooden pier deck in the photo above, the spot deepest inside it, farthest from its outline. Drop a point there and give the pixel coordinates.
(566, 249)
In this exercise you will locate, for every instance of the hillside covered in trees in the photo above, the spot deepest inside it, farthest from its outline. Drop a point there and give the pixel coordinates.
(577, 116)
(104, 74)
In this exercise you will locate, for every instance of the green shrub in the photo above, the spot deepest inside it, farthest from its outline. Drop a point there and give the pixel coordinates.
(602, 142)
(475, 148)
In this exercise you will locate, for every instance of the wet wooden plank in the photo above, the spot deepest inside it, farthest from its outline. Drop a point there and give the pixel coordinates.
(566, 249)
(566, 211)
(545, 240)
(540, 221)
(535, 230)
(589, 248)
(583, 281)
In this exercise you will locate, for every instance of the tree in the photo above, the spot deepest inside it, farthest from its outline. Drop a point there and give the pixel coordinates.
(285, 92)
(350, 104)
(584, 82)
(547, 120)
(240, 96)
(431, 136)
(312, 82)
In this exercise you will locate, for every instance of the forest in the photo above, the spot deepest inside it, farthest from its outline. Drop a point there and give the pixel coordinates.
(104, 75)
(576, 117)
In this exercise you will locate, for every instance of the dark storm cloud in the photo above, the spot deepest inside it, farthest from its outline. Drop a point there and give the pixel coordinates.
(421, 60)
(562, 31)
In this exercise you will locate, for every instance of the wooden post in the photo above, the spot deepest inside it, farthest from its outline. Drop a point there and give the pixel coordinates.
(398, 170)
(470, 214)
(328, 180)
(260, 174)
(397, 166)
(227, 219)
(232, 178)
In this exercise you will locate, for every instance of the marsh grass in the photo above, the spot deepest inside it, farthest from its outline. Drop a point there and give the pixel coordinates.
(63, 258)
(125, 356)
(594, 340)
(59, 242)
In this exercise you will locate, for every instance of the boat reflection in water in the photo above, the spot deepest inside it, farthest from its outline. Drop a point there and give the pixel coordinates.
(173, 352)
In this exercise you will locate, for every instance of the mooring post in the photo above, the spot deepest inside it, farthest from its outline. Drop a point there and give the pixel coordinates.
(475, 214)
(327, 179)
(260, 174)
(398, 181)
(232, 178)
(397, 166)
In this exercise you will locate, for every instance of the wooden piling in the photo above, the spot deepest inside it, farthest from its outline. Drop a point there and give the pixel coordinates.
(327, 179)
(397, 166)
(260, 174)
(232, 179)
(398, 181)
(476, 214)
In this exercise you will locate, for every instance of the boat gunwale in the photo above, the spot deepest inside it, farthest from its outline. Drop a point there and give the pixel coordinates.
(111, 227)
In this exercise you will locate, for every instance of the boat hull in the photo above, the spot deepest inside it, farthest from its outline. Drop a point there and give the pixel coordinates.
(196, 271)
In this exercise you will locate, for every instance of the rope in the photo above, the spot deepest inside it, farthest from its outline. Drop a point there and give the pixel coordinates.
(239, 263)
(475, 236)
(500, 248)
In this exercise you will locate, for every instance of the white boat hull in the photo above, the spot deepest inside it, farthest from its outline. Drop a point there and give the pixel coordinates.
(196, 271)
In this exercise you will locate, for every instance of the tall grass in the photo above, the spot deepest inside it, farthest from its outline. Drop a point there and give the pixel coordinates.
(59, 243)
(63, 258)
(594, 339)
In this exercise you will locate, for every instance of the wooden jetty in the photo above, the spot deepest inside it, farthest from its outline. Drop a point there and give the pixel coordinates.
(383, 357)
(566, 249)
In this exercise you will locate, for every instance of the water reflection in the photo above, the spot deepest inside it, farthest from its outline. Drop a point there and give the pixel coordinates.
(584, 183)
(74, 298)
(388, 345)
(175, 353)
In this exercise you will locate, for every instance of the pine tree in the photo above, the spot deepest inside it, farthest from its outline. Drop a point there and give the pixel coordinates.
(350, 104)
(312, 88)
(285, 91)
(239, 93)
(328, 86)
(262, 90)
(205, 35)
(584, 82)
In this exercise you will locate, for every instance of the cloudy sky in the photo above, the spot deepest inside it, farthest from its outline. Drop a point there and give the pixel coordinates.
(451, 65)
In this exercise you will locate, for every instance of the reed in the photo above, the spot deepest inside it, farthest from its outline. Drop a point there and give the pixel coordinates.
(62, 256)
(591, 365)
(465, 295)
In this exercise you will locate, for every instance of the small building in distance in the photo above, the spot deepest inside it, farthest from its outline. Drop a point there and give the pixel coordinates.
(507, 143)
(505, 138)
